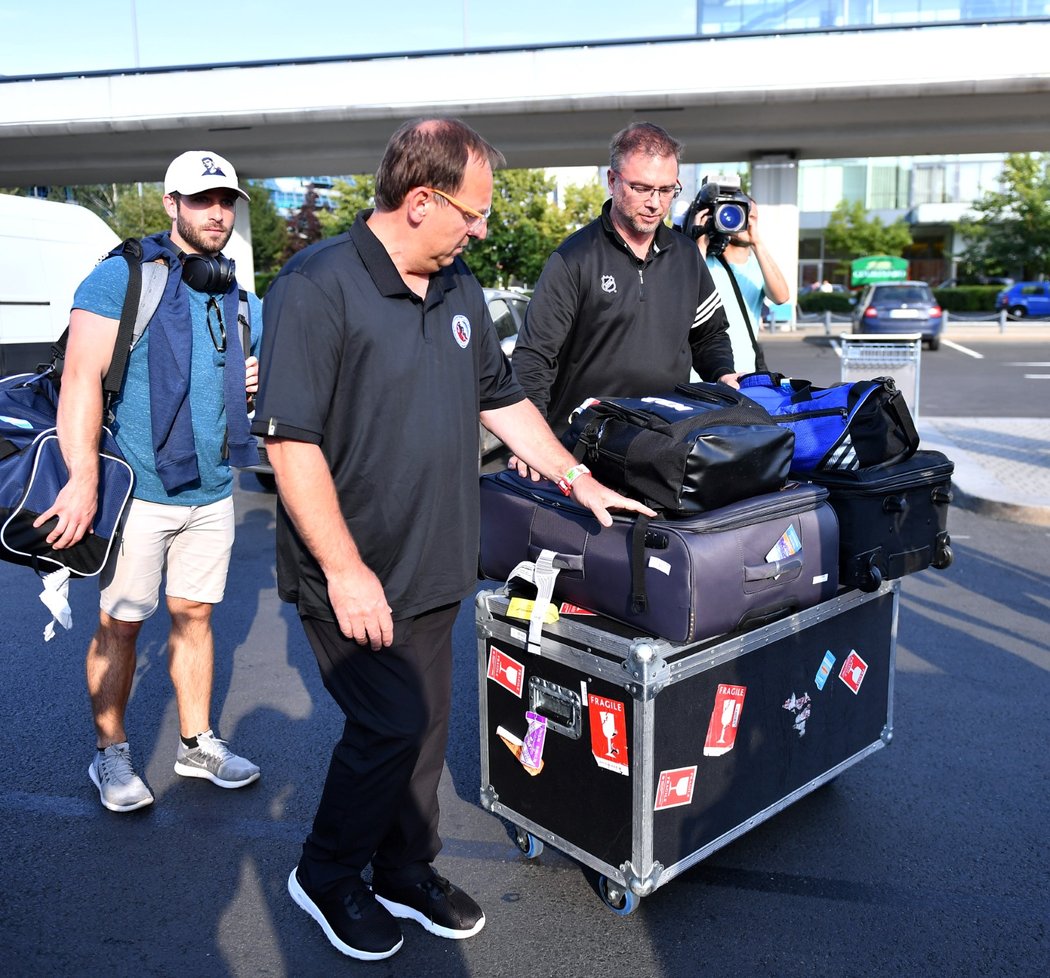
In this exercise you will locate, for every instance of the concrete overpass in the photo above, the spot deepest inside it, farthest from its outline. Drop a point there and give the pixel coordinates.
(874, 92)
(772, 100)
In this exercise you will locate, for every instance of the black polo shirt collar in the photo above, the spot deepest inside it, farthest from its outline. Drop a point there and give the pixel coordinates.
(380, 266)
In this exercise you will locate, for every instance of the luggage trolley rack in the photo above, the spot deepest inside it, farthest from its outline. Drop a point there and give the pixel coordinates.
(898, 355)
(651, 755)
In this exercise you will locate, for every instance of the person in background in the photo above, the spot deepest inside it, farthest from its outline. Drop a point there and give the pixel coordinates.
(180, 421)
(757, 277)
(625, 306)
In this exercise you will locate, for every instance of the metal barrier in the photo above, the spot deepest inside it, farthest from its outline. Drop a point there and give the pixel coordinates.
(896, 355)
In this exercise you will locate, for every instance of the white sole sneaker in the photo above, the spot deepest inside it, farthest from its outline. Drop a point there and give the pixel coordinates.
(302, 899)
(111, 805)
(189, 771)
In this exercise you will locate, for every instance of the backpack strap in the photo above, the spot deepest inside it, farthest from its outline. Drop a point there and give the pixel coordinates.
(154, 279)
(131, 252)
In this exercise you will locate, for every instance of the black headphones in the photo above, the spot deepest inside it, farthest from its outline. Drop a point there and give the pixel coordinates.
(213, 274)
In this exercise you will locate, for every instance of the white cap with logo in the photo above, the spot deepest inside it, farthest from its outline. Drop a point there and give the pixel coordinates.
(199, 170)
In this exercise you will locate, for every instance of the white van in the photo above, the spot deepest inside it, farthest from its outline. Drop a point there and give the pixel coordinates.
(46, 250)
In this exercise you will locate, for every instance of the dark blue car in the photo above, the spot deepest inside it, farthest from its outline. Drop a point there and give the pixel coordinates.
(900, 307)
(1025, 299)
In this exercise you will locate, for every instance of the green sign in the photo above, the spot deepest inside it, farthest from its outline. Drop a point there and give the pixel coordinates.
(872, 269)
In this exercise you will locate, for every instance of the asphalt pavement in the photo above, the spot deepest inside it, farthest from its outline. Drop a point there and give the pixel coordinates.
(927, 858)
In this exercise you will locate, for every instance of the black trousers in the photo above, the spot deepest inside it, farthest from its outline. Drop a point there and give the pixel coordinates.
(379, 804)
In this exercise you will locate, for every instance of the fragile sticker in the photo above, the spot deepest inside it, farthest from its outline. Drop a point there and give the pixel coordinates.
(608, 733)
(853, 670)
(675, 788)
(573, 609)
(825, 669)
(725, 719)
(505, 671)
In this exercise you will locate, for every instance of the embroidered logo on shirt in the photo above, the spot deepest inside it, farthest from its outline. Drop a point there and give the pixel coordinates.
(608, 284)
(461, 330)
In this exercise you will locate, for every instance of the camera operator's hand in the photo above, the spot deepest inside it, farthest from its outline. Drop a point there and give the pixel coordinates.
(699, 221)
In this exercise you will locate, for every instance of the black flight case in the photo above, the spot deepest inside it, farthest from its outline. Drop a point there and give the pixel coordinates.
(639, 757)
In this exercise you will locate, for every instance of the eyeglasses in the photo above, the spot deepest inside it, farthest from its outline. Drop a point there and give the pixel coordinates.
(214, 307)
(642, 190)
(473, 218)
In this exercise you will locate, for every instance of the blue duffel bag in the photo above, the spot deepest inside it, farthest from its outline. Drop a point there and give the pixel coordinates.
(846, 426)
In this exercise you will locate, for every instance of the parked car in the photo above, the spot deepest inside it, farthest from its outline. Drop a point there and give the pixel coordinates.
(900, 307)
(1025, 299)
(507, 309)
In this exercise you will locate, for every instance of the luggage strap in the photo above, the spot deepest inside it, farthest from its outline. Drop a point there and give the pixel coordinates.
(542, 573)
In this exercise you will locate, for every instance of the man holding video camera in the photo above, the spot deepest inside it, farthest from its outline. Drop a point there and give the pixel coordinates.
(724, 221)
(625, 306)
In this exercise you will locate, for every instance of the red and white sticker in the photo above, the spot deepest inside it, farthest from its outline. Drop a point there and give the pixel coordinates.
(675, 788)
(608, 733)
(507, 672)
(573, 609)
(853, 670)
(725, 719)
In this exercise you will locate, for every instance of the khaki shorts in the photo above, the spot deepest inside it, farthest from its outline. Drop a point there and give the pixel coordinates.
(191, 544)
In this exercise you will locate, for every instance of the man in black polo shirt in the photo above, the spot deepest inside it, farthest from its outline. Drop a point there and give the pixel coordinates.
(378, 354)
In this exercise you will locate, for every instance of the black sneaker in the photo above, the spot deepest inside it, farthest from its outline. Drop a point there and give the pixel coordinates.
(441, 908)
(355, 924)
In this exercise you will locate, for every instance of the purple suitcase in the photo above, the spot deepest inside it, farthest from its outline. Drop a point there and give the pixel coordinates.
(738, 566)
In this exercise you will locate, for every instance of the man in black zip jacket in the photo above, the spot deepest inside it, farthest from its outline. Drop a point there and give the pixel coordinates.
(626, 305)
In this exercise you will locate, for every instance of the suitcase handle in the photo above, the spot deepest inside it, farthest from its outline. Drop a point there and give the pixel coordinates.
(774, 569)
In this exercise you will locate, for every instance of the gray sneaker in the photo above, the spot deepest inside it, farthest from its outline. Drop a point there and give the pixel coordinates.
(119, 787)
(212, 759)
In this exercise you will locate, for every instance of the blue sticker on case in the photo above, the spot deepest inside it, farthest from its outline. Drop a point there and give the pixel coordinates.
(825, 669)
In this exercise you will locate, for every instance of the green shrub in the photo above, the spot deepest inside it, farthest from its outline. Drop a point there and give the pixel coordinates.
(825, 302)
(968, 298)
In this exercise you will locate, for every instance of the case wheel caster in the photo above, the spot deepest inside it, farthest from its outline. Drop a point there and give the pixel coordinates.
(619, 900)
(530, 846)
(944, 557)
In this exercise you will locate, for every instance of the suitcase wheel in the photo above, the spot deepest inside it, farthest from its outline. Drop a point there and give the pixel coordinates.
(619, 900)
(872, 578)
(943, 556)
(528, 844)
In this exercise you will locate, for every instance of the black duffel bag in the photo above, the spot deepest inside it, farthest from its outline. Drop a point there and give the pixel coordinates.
(698, 448)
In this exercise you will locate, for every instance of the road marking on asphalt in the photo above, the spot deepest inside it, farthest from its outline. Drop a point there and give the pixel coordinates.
(963, 349)
(1037, 376)
(1029, 363)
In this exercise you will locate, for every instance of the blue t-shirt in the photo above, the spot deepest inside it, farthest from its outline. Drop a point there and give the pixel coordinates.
(753, 291)
(102, 293)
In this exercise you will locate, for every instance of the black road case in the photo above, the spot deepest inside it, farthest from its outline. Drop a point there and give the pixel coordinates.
(639, 757)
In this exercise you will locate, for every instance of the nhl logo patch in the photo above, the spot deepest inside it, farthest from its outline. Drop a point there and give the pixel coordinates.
(461, 331)
(608, 284)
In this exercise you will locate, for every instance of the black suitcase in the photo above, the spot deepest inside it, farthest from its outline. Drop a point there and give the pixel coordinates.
(738, 566)
(892, 519)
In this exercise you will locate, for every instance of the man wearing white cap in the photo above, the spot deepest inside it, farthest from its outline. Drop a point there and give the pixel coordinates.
(181, 421)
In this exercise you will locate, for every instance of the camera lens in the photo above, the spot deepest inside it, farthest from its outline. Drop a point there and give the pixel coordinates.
(730, 218)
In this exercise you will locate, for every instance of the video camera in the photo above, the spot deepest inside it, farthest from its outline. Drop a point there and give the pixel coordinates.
(729, 210)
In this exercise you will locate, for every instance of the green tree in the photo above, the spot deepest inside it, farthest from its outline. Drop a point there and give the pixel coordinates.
(348, 197)
(851, 234)
(1009, 232)
(525, 227)
(583, 203)
(269, 236)
(138, 210)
